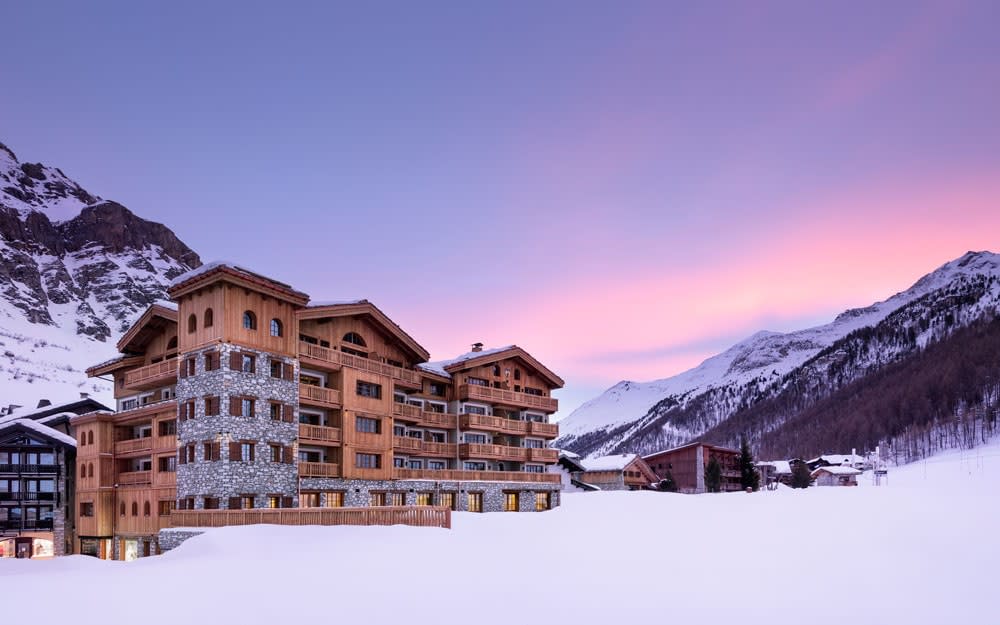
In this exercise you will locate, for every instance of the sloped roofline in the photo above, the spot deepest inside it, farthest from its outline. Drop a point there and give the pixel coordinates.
(365, 307)
(154, 310)
(512, 351)
(230, 272)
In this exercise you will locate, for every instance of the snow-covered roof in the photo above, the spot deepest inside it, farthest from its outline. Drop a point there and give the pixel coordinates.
(838, 459)
(609, 463)
(781, 467)
(232, 267)
(165, 303)
(335, 302)
(569, 454)
(837, 470)
(438, 366)
(41, 429)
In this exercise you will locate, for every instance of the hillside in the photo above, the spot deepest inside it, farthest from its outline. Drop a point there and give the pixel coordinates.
(75, 270)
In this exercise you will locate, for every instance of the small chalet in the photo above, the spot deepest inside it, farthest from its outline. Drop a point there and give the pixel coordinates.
(619, 472)
(837, 460)
(570, 468)
(836, 476)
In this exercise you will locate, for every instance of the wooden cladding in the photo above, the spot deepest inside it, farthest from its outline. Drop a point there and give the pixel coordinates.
(152, 376)
(331, 358)
(509, 398)
(480, 476)
(319, 396)
(422, 516)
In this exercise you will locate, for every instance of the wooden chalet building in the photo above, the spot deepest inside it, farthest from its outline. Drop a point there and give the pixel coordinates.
(618, 472)
(686, 465)
(241, 394)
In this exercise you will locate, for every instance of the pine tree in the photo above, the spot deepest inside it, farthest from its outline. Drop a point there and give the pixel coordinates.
(801, 476)
(713, 476)
(749, 477)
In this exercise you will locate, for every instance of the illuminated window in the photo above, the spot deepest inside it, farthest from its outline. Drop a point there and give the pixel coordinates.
(510, 502)
(447, 500)
(542, 501)
(425, 499)
(308, 500)
(378, 499)
(475, 502)
(334, 499)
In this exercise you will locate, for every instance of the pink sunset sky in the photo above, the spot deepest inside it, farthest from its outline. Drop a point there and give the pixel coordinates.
(623, 190)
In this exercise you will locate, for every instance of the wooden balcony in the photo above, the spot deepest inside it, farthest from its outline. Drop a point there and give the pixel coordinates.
(406, 444)
(418, 516)
(542, 455)
(164, 443)
(134, 445)
(475, 476)
(544, 430)
(329, 358)
(507, 398)
(420, 447)
(151, 376)
(319, 434)
(494, 424)
(492, 452)
(135, 477)
(319, 396)
(319, 469)
(425, 418)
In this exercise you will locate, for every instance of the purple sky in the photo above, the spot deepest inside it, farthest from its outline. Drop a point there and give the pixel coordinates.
(526, 171)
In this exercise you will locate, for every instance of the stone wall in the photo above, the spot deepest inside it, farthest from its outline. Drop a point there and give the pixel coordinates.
(171, 538)
(225, 478)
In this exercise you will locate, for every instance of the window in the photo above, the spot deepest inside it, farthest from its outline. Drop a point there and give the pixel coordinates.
(90, 469)
(475, 466)
(276, 368)
(308, 500)
(367, 461)
(334, 499)
(145, 509)
(246, 502)
(167, 464)
(249, 320)
(246, 452)
(212, 452)
(476, 381)
(496, 370)
(90, 437)
(135, 508)
(415, 464)
(354, 339)
(378, 499)
(368, 425)
(510, 502)
(274, 410)
(534, 468)
(533, 443)
(211, 361)
(211, 406)
(425, 499)
(188, 367)
(367, 389)
(246, 405)
(121, 509)
(394, 363)
(532, 391)
(436, 465)
(447, 500)
(473, 409)
(274, 501)
(275, 327)
(87, 508)
(192, 324)
(397, 499)
(517, 374)
(436, 388)
(248, 363)
(275, 453)
(209, 318)
(475, 502)
(210, 503)
(399, 463)
(542, 501)
(167, 428)
(478, 439)
(166, 507)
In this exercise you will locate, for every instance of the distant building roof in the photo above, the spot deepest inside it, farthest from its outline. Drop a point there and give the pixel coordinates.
(609, 463)
(836, 470)
(781, 467)
(39, 428)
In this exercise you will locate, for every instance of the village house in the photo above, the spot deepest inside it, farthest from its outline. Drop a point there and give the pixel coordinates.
(569, 468)
(838, 460)
(618, 472)
(686, 466)
(836, 476)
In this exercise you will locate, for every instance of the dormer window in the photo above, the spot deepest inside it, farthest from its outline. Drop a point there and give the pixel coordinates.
(355, 339)
(192, 324)
(249, 320)
(275, 327)
(209, 318)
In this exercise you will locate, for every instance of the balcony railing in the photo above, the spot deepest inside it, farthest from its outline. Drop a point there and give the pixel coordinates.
(545, 430)
(475, 476)
(419, 516)
(133, 445)
(427, 418)
(150, 376)
(492, 452)
(26, 524)
(319, 395)
(430, 448)
(29, 468)
(318, 433)
(319, 469)
(405, 443)
(340, 359)
(27, 496)
(494, 424)
(509, 398)
(542, 455)
(135, 477)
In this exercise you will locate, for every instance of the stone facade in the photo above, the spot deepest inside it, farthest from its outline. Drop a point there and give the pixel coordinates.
(225, 478)
(357, 493)
(171, 538)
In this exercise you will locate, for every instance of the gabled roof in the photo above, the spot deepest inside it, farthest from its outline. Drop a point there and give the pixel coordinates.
(39, 429)
(364, 307)
(151, 323)
(55, 412)
(609, 463)
(837, 459)
(694, 444)
(486, 356)
(226, 271)
(836, 470)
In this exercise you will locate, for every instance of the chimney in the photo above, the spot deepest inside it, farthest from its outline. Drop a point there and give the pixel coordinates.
(43, 403)
(11, 408)
(477, 347)
(84, 395)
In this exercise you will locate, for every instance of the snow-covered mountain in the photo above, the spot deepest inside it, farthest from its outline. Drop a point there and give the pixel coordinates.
(75, 270)
(643, 416)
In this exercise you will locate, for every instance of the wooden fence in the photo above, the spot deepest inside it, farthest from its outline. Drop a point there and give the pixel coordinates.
(418, 516)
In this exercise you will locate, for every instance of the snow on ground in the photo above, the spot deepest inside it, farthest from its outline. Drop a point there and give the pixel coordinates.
(921, 550)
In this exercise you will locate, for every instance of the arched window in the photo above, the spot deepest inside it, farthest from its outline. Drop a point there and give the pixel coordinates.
(90, 437)
(209, 318)
(83, 470)
(172, 343)
(121, 509)
(355, 339)
(90, 470)
(135, 508)
(249, 320)
(145, 509)
(275, 327)
(192, 323)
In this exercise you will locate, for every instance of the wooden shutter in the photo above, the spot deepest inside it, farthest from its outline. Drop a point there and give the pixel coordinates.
(288, 371)
(183, 373)
(288, 413)
(216, 451)
(286, 455)
(235, 360)
(234, 503)
(234, 452)
(235, 406)
(286, 502)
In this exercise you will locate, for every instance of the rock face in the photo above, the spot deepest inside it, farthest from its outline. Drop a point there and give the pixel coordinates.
(75, 270)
